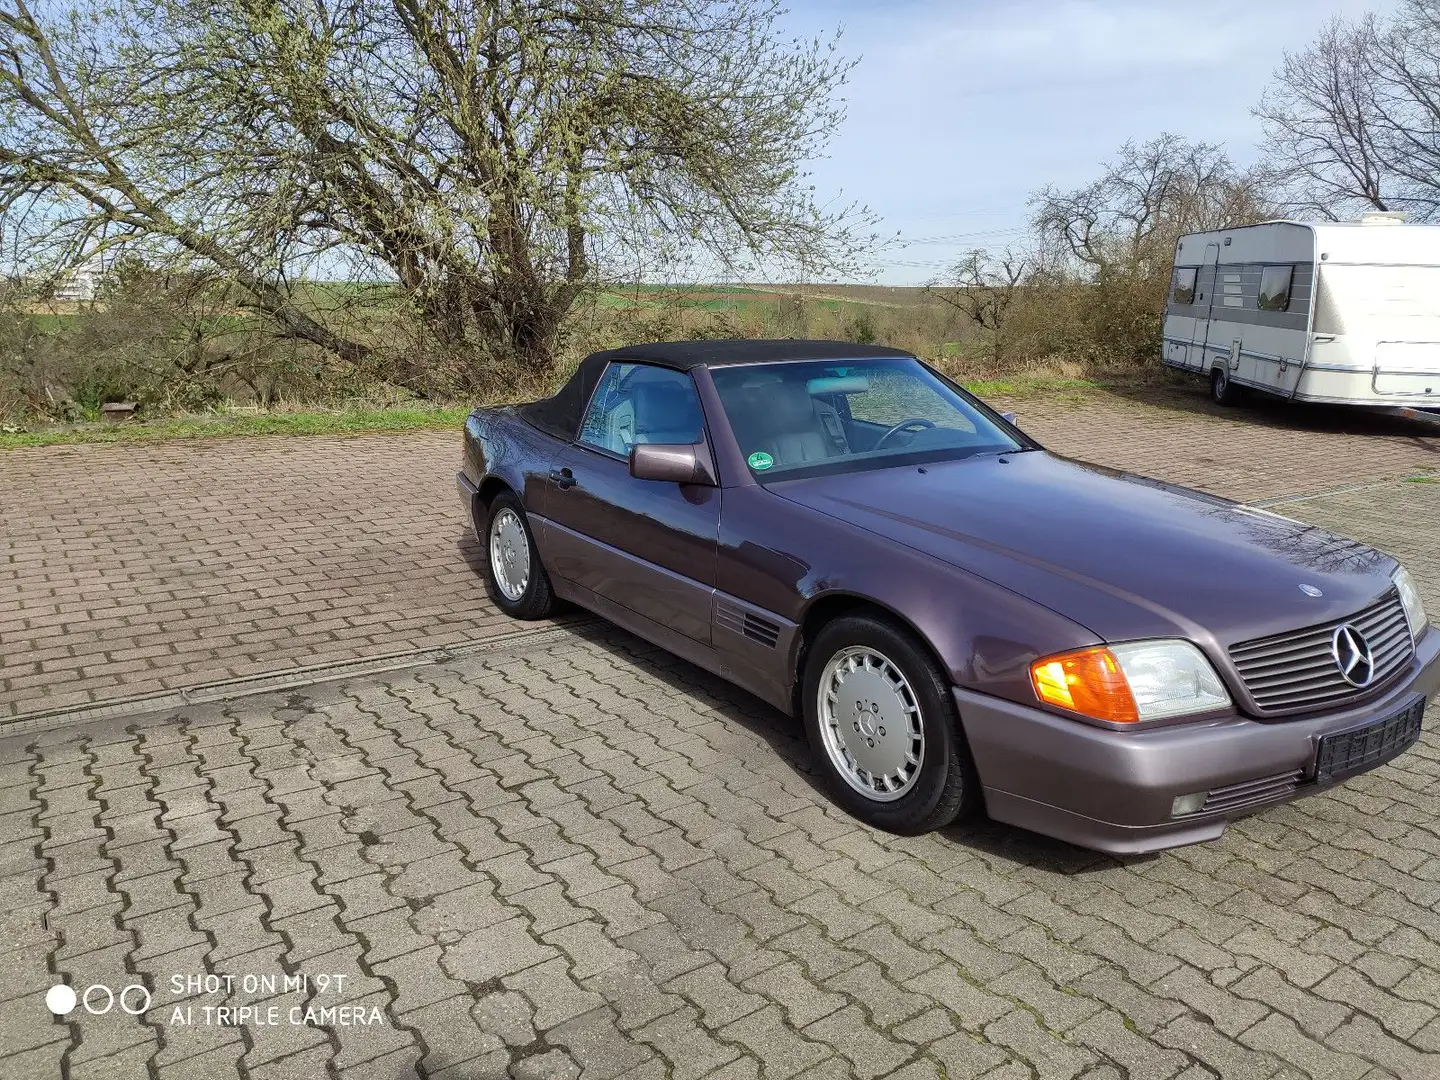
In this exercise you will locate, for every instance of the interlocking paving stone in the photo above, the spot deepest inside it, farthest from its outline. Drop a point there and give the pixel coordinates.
(584, 858)
(468, 972)
(231, 558)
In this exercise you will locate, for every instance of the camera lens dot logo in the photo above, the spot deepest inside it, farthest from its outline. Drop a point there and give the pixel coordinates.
(60, 999)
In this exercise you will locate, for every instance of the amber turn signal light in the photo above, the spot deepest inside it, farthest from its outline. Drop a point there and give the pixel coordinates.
(1089, 682)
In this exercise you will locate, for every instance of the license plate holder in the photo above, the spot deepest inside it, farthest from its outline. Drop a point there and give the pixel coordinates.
(1358, 749)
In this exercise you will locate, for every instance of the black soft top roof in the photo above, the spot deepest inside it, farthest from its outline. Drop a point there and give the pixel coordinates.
(685, 355)
(560, 414)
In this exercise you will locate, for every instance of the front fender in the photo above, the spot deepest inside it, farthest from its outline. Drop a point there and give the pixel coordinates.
(795, 561)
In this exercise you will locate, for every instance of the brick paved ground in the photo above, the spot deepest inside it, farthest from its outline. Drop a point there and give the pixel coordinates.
(1260, 451)
(590, 860)
(132, 569)
(128, 569)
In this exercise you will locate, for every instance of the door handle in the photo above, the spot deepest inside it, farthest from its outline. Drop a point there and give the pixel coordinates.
(563, 478)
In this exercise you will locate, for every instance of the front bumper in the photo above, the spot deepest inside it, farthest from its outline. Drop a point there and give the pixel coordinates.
(1113, 790)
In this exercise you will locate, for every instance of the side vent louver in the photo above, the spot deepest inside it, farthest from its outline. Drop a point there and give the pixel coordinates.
(757, 629)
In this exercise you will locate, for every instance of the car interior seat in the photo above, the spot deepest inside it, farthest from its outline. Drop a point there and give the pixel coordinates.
(795, 431)
(829, 418)
(618, 430)
(666, 412)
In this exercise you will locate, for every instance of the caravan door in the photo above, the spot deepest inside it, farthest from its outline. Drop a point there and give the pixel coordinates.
(1206, 285)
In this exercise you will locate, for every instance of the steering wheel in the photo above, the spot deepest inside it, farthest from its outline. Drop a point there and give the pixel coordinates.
(914, 421)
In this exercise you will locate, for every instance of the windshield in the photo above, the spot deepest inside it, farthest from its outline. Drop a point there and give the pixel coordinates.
(825, 417)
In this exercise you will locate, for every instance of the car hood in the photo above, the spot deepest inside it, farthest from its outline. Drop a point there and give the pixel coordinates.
(1126, 556)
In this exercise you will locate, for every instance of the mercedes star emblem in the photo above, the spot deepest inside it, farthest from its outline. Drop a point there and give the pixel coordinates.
(1352, 655)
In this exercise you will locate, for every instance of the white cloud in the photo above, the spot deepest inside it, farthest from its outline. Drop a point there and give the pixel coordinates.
(959, 107)
(1082, 36)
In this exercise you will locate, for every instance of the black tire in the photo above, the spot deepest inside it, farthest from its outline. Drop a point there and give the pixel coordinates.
(536, 599)
(1223, 390)
(946, 786)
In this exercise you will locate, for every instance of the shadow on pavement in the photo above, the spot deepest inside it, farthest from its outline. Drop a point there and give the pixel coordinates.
(471, 551)
(786, 737)
(1272, 412)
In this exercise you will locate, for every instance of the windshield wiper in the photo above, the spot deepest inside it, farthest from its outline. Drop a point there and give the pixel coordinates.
(997, 453)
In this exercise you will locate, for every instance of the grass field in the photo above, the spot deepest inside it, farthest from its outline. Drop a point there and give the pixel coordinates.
(362, 421)
(145, 349)
(755, 300)
(740, 297)
(53, 322)
(213, 425)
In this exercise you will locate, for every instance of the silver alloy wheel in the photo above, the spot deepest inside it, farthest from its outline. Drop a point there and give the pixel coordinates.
(509, 554)
(871, 722)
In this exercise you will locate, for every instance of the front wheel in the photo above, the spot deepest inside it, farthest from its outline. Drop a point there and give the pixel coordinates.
(1223, 390)
(883, 728)
(513, 575)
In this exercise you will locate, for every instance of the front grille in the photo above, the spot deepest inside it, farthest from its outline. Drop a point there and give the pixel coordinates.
(1251, 792)
(1296, 670)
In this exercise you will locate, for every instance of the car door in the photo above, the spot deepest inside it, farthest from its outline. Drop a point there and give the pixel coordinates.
(647, 545)
(1208, 284)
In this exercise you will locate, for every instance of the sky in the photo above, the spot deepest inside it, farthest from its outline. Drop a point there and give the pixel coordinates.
(960, 109)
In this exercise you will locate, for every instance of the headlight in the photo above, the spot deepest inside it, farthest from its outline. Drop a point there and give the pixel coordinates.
(1410, 599)
(1140, 680)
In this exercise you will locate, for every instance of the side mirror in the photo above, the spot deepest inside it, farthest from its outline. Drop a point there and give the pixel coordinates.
(679, 463)
(1008, 417)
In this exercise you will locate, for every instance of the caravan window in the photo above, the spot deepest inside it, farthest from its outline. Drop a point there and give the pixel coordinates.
(1184, 291)
(1275, 287)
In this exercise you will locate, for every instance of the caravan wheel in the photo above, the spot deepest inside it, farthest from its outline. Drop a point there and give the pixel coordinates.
(1222, 390)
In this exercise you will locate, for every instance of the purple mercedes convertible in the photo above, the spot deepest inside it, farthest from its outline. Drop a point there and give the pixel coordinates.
(960, 618)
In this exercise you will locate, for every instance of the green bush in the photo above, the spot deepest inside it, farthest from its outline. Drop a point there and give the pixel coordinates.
(100, 386)
(861, 329)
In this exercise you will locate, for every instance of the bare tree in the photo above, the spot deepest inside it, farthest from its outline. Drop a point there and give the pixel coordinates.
(1127, 221)
(1116, 236)
(1353, 121)
(1320, 124)
(984, 288)
(493, 158)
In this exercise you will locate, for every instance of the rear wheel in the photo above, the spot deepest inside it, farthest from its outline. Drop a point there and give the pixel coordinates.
(883, 728)
(513, 575)
(1223, 390)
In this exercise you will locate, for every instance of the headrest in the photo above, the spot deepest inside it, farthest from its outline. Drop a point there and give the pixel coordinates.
(838, 384)
(790, 407)
(661, 402)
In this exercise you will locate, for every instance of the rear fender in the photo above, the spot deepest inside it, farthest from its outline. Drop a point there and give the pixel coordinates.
(501, 450)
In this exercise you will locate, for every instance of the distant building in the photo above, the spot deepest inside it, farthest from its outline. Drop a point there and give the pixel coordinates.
(82, 282)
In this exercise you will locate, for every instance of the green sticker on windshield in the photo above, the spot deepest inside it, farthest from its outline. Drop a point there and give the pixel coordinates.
(760, 460)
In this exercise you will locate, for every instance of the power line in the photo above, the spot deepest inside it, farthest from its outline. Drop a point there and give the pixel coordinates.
(971, 213)
(957, 238)
(930, 264)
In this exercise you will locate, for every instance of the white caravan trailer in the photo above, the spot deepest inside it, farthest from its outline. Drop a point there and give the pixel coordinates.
(1344, 313)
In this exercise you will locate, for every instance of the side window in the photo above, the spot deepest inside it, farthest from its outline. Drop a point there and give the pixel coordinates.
(1184, 286)
(641, 403)
(1275, 288)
